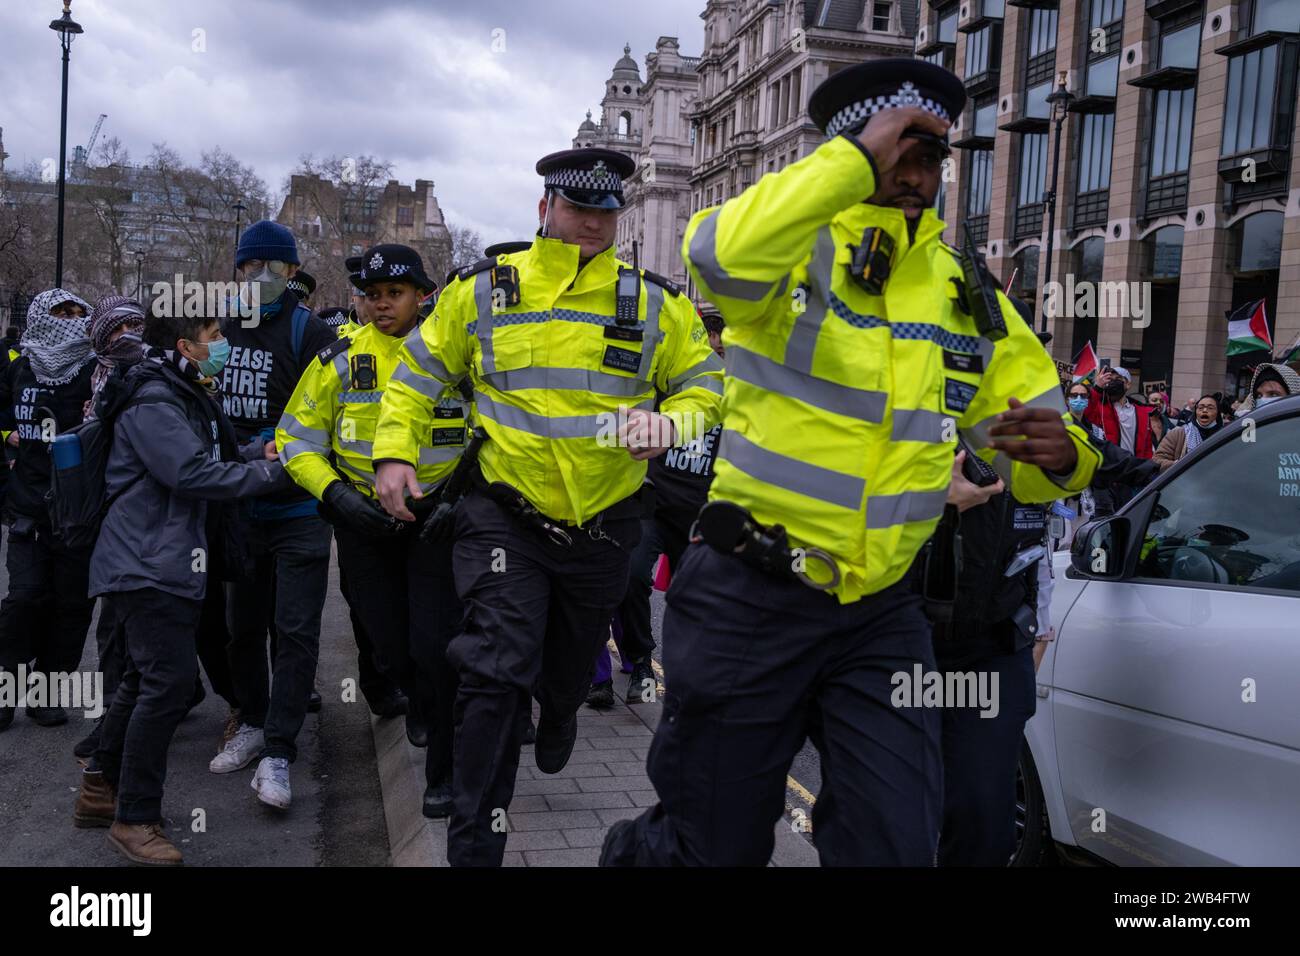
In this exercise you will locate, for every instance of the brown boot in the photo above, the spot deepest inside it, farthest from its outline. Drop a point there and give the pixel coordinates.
(96, 803)
(144, 843)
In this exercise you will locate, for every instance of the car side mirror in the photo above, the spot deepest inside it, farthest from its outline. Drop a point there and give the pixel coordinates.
(1099, 548)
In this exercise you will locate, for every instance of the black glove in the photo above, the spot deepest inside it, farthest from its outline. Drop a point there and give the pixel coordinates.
(360, 513)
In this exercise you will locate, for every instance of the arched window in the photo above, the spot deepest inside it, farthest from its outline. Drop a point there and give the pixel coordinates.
(1259, 242)
(624, 123)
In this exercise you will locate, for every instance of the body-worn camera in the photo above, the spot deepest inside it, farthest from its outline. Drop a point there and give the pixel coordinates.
(364, 374)
(870, 264)
(506, 279)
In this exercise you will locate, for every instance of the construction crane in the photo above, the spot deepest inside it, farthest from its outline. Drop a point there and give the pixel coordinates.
(81, 155)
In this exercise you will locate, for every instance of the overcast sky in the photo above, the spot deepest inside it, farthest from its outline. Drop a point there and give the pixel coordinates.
(467, 93)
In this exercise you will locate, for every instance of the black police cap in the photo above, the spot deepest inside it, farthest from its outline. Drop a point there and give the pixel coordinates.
(303, 284)
(392, 262)
(846, 100)
(591, 177)
(333, 317)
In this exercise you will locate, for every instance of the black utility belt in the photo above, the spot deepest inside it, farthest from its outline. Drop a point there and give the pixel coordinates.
(729, 529)
(553, 529)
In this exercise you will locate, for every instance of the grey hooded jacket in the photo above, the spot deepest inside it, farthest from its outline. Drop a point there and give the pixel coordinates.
(165, 465)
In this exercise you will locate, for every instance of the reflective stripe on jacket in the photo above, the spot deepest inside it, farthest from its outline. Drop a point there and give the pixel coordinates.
(551, 374)
(328, 428)
(841, 407)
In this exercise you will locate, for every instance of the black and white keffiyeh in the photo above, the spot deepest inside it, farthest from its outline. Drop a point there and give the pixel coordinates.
(57, 348)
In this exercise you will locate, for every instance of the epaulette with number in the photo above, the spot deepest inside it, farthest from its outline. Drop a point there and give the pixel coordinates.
(326, 355)
(668, 285)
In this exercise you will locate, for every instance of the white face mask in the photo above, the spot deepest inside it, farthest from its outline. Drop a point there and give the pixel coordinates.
(1264, 400)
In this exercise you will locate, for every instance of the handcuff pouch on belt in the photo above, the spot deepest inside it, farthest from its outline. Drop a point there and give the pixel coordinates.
(730, 529)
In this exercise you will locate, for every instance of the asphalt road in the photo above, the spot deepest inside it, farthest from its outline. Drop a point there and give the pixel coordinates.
(337, 815)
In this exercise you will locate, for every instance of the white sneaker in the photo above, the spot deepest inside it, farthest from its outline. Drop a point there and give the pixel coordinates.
(240, 750)
(271, 781)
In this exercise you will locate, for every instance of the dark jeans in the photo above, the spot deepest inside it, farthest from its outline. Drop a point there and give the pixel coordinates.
(403, 591)
(290, 574)
(979, 766)
(755, 665)
(535, 614)
(46, 614)
(151, 699)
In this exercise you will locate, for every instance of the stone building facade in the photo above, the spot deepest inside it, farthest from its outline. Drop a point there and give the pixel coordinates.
(1178, 154)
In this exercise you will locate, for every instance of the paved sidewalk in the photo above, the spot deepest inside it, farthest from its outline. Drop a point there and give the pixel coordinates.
(555, 819)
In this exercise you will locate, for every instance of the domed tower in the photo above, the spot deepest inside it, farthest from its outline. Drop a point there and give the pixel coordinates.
(621, 109)
(588, 133)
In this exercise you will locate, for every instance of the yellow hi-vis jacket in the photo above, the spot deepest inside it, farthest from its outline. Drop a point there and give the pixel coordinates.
(551, 373)
(328, 428)
(842, 408)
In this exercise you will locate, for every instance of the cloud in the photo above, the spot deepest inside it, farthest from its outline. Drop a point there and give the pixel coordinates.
(469, 95)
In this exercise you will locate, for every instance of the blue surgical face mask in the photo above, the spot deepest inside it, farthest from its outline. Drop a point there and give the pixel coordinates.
(1264, 400)
(1078, 405)
(218, 355)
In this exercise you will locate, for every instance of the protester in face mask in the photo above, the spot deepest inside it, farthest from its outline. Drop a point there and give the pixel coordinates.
(285, 583)
(1125, 423)
(1271, 382)
(1118, 476)
(117, 336)
(173, 475)
(1187, 438)
(46, 614)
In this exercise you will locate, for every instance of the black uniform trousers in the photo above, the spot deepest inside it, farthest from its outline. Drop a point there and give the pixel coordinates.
(374, 685)
(754, 665)
(666, 533)
(160, 667)
(46, 614)
(979, 765)
(535, 614)
(403, 591)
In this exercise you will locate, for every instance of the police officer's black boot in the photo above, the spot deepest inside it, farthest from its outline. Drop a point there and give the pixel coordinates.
(437, 800)
(554, 743)
(642, 688)
(417, 725)
(601, 695)
(390, 703)
(47, 716)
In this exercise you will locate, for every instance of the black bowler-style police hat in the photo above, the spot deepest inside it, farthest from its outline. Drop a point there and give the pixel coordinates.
(333, 317)
(590, 177)
(303, 284)
(392, 262)
(353, 265)
(846, 100)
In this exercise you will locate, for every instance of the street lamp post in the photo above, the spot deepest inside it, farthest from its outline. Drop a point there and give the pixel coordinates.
(67, 28)
(239, 207)
(139, 275)
(1060, 101)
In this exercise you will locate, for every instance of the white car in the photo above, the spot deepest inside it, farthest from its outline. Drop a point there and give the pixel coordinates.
(1168, 721)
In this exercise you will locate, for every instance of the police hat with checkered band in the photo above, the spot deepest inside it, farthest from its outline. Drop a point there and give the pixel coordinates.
(590, 177)
(303, 284)
(846, 100)
(392, 262)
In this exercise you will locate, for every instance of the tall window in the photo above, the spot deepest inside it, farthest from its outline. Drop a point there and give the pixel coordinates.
(1280, 15)
(881, 13)
(1105, 28)
(1041, 65)
(1033, 168)
(986, 116)
(1249, 106)
(978, 51)
(1171, 140)
(948, 25)
(979, 184)
(1094, 152)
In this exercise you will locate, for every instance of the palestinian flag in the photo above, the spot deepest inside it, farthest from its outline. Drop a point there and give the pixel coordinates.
(1248, 329)
(1289, 354)
(1085, 363)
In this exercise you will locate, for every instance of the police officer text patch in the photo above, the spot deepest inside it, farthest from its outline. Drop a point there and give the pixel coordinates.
(444, 435)
(963, 361)
(957, 395)
(626, 335)
(625, 360)
(1027, 518)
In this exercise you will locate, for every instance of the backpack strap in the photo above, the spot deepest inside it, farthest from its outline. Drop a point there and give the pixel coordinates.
(299, 329)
